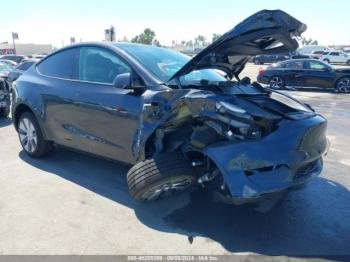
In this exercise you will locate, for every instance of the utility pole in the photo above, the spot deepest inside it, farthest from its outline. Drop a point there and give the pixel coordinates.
(14, 36)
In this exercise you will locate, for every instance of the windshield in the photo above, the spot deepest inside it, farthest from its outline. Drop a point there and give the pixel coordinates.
(164, 63)
(4, 67)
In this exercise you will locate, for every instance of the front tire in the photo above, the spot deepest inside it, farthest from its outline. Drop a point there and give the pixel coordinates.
(343, 85)
(348, 62)
(326, 61)
(4, 112)
(160, 177)
(277, 83)
(31, 136)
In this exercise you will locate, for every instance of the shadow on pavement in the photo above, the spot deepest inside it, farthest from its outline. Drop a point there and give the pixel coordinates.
(5, 122)
(313, 220)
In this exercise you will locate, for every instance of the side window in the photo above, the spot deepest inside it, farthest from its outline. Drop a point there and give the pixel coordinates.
(58, 65)
(334, 53)
(295, 65)
(317, 66)
(100, 65)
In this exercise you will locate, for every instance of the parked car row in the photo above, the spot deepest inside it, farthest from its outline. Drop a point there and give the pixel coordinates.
(273, 58)
(10, 71)
(306, 73)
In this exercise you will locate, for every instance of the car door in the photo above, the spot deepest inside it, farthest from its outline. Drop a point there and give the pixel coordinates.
(335, 57)
(318, 74)
(87, 112)
(293, 71)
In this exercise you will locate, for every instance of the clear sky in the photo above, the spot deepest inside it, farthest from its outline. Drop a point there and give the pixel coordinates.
(40, 21)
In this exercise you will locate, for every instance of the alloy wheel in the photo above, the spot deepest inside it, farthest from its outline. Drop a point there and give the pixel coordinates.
(343, 85)
(28, 135)
(276, 82)
(166, 189)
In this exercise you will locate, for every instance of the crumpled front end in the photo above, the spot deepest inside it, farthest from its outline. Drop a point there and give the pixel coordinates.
(247, 144)
(288, 157)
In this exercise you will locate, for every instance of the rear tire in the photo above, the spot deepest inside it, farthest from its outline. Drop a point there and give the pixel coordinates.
(277, 82)
(348, 62)
(4, 112)
(31, 136)
(161, 176)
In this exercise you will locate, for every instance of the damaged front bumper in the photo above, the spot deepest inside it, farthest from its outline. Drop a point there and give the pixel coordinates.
(286, 158)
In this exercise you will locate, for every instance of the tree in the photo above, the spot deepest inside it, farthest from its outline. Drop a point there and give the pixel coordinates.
(309, 41)
(145, 38)
(189, 43)
(215, 37)
(200, 40)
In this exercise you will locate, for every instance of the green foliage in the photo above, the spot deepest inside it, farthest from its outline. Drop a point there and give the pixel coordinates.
(146, 37)
(215, 37)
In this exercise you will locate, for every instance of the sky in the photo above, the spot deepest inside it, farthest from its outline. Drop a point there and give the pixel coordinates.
(55, 21)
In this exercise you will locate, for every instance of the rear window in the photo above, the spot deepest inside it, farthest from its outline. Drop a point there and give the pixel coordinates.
(58, 65)
(25, 66)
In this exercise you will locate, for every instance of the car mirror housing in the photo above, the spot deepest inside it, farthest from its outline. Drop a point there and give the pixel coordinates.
(123, 81)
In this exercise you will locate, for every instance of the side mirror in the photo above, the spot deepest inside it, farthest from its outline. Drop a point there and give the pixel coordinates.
(123, 81)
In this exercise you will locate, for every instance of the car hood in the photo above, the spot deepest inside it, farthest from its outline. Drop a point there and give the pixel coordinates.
(266, 32)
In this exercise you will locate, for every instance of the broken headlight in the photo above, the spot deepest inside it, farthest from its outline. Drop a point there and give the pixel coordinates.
(238, 123)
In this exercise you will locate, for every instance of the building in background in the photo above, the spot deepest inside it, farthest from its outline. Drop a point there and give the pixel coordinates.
(25, 49)
(110, 34)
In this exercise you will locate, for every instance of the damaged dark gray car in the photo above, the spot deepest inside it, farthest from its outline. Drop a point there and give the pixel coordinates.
(176, 120)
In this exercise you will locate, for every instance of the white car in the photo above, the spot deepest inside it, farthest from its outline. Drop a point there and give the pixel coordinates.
(336, 57)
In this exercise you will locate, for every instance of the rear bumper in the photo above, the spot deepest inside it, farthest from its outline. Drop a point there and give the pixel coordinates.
(288, 157)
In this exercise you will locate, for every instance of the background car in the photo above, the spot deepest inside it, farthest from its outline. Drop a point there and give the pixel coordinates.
(335, 57)
(309, 49)
(5, 101)
(19, 69)
(8, 62)
(316, 54)
(306, 73)
(262, 59)
(15, 58)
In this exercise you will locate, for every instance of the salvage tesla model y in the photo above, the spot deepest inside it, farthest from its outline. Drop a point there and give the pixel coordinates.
(175, 119)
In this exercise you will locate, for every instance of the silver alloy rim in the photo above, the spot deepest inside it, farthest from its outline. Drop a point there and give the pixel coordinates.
(344, 85)
(276, 82)
(167, 189)
(27, 135)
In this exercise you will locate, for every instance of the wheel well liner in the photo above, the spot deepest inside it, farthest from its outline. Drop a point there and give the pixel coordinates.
(20, 109)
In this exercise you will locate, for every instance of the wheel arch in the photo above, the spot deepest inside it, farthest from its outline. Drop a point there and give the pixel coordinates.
(22, 108)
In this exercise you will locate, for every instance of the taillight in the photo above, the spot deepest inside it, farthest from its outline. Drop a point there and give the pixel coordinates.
(261, 71)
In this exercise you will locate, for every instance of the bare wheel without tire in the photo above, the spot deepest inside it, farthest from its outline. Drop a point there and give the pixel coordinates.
(162, 176)
(343, 85)
(276, 82)
(31, 136)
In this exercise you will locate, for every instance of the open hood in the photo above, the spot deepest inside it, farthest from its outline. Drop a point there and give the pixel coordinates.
(266, 32)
